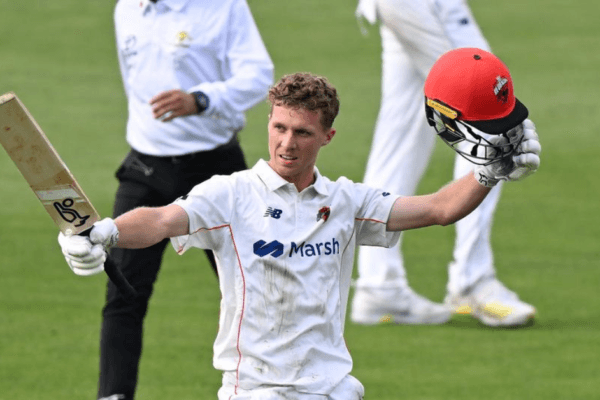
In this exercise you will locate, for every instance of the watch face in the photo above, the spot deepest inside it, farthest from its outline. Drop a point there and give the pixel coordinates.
(202, 101)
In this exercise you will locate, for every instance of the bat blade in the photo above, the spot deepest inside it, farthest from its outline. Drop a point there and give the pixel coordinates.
(49, 178)
(42, 167)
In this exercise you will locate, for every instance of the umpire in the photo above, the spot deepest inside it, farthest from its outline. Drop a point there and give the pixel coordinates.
(190, 70)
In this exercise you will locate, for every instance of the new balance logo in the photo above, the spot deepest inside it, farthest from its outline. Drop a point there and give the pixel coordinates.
(262, 248)
(273, 212)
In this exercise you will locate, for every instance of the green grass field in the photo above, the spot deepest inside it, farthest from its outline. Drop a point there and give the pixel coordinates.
(59, 57)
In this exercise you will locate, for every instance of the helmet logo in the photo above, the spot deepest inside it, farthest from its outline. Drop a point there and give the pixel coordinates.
(501, 89)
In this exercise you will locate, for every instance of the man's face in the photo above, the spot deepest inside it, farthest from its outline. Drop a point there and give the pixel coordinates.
(295, 137)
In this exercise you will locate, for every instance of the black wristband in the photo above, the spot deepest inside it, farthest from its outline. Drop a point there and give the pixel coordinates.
(202, 101)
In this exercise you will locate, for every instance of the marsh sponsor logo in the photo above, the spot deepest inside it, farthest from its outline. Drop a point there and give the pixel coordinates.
(262, 248)
(315, 249)
(276, 249)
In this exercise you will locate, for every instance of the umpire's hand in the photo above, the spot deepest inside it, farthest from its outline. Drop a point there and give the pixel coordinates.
(173, 103)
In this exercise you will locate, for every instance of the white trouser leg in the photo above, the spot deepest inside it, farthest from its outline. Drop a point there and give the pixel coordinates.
(412, 39)
(400, 151)
(473, 257)
(460, 26)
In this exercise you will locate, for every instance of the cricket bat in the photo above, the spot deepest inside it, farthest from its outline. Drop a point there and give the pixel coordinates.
(49, 178)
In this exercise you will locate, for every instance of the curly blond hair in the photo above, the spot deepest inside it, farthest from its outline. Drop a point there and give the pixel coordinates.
(308, 91)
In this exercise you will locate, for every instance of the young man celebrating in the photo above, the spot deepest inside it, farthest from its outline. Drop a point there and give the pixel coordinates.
(284, 238)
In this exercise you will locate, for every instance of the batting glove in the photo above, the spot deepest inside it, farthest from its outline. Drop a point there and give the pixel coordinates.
(524, 162)
(527, 157)
(83, 257)
(105, 232)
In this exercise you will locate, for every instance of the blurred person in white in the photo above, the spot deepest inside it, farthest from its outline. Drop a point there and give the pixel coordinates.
(414, 34)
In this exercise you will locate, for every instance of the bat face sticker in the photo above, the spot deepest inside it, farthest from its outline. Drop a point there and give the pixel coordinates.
(69, 214)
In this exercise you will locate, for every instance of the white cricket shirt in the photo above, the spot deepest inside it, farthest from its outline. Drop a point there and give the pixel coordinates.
(284, 292)
(210, 46)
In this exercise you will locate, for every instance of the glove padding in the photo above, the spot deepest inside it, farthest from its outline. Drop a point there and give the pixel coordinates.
(105, 232)
(85, 256)
(524, 162)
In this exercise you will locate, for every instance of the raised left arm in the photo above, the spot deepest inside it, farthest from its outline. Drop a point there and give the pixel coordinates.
(459, 198)
(448, 205)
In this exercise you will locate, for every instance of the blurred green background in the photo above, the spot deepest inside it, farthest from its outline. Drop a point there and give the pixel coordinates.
(59, 57)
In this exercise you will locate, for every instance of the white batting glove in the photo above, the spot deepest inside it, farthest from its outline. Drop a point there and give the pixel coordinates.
(527, 157)
(86, 255)
(105, 232)
(524, 162)
(83, 257)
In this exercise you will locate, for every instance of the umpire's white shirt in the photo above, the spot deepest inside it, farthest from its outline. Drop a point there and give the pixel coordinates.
(284, 295)
(211, 46)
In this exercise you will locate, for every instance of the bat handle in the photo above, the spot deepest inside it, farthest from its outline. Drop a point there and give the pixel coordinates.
(115, 275)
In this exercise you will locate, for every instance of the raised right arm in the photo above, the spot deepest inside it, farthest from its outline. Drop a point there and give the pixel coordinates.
(145, 226)
(136, 229)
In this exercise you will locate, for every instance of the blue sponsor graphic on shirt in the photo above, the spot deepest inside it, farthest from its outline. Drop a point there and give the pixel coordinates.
(275, 248)
(262, 248)
(273, 212)
(315, 249)
(385, 194)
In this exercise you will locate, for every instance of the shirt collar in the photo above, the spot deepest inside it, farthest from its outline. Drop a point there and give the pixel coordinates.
(175, 5)
(273, 181)
(319, 184)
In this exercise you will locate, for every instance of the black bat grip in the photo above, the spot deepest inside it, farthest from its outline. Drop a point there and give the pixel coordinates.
(115, 275)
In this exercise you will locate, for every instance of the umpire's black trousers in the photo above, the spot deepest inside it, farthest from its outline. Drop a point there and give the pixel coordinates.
(147, 181)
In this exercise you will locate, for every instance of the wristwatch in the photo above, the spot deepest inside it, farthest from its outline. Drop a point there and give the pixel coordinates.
(202, 101)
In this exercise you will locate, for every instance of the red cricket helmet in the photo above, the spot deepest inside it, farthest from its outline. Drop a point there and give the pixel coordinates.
(471, 88)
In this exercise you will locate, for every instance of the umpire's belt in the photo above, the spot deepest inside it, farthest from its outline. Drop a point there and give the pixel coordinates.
(185, 158)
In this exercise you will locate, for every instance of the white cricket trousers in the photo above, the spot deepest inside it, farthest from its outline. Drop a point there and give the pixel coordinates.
(348, 389)
(414, 34)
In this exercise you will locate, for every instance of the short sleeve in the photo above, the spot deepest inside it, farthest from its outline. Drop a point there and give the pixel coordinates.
(372, 216)
(209, 206)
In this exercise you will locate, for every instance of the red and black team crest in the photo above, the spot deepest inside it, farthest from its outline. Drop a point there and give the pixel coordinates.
(501, 89)
(323, 213)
